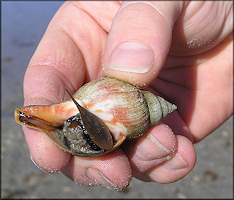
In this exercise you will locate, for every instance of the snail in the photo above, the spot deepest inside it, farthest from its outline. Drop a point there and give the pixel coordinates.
(98, 117)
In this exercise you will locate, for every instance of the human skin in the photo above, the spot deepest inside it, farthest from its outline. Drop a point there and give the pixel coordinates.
(176, 49)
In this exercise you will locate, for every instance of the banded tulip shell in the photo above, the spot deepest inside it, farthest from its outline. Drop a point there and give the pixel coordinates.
(98, 117)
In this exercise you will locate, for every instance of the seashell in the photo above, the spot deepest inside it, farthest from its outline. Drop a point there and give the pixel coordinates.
(98, 117)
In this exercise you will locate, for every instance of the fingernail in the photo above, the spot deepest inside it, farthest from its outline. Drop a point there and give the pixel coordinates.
(96, 176)
(132, 57)
(155, 150)
(34, 162)
(177, 162)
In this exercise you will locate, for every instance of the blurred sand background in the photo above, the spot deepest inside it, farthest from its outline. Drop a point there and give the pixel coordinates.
(23, 25)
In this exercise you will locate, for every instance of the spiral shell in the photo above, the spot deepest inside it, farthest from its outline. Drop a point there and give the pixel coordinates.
(98, 117)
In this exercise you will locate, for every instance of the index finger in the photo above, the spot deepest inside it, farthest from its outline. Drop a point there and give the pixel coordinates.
(68, 54)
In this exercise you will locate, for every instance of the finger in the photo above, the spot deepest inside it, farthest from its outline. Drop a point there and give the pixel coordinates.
(196, 60)
(157, 158)
(44, 153)
(68, 53)
(139, 40)
(112, 170)
(178, 166)
(197, 30)
(153, 148)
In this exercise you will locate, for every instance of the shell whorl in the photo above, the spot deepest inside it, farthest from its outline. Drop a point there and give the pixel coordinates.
(122, 100)
(158, 107)
(136, 109)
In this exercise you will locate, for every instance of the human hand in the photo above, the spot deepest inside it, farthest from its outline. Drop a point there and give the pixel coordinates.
(196, 75)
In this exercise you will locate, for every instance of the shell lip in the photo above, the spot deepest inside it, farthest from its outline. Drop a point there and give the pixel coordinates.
(34, 122)
(17, 114)
(21, 117)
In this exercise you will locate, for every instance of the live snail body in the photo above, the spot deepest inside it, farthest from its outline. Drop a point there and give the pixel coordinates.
(98, 117)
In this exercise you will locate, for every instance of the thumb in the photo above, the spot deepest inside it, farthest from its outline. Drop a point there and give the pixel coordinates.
(139, 41)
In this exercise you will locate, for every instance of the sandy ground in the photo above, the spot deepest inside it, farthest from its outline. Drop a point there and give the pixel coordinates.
(23, 24)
